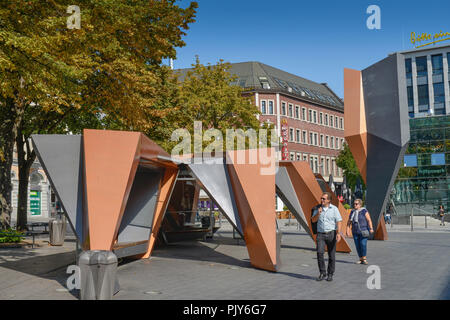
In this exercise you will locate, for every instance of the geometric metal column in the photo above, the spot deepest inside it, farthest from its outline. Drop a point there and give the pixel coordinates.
(375, 103)
(254, 191)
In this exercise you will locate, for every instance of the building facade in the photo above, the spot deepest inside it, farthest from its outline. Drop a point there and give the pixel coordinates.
(310, 114)
(424, 181)
(40, 194)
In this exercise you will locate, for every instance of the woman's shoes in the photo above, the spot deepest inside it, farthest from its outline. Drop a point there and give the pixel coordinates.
(364, 261)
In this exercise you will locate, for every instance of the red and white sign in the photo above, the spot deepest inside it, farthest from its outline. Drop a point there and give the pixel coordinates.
(285, 139)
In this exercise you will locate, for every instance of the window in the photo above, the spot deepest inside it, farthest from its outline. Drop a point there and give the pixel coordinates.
(316, 165)
(332, 142)
(421, 66)
(328, 167)
(322, 166)
(315, 116)
(341, 123)
(283, 108)
(304, 114)
(310, 115)
(290, 110)
(333, 169)
(297, 112)
(310, 138)
(337, 143)
(336, 122)
(304, 137)
(297, 135)
(436, 62)
(326, 120)
(270, 107)
(292, 155)
(423, 97)
(291, 134)
(263, 107)
(437, 159)
(331, 121)
(342, 143)
(311, 163)
(326, 142)
(439, 98)
(408, 67)
(410, 93)
(321, 140)
(321, 118)
(305, 157)
(299, 156)
(410, 160)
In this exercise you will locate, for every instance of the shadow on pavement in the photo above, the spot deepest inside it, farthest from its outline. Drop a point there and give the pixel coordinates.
(296, 275)
(44, 266)
(195, 250)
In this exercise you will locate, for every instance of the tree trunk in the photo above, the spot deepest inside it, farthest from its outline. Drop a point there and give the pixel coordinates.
(25, 159)
(10, 117)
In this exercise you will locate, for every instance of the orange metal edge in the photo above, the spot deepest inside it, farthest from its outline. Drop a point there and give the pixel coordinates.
(166, 187)
(104, 216)
(259, 229)
(381, 232)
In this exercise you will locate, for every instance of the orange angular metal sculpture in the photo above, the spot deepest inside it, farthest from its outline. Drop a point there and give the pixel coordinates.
(255, 193)
(355, 119)
(111, 159)
(309, 192)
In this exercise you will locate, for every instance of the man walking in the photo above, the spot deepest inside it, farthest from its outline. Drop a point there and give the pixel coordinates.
(328, 221)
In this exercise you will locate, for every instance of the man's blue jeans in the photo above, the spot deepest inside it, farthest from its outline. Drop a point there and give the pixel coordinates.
(360, 244)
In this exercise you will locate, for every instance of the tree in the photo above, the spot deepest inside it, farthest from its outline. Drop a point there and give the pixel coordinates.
(206, 94)
(107, 68)
(346, 161)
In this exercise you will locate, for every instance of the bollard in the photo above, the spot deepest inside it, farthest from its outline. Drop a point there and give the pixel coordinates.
(98, 275)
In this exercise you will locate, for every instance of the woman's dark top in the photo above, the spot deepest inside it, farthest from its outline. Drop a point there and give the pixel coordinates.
(361, 219)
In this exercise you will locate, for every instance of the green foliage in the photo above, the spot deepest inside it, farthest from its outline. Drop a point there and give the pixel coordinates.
(347, 206)
(12, 236)
(346, 161)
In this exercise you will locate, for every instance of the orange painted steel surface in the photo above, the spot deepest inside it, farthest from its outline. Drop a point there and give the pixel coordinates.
(255, 194)
(342, 246)
(111, 160)
(308, 193)
(355, 119)
(381, 232)
(165, 189)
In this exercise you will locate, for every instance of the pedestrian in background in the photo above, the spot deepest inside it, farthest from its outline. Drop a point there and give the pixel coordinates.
(388, 216)
(328, 221)
(361, 226)
(442, 215)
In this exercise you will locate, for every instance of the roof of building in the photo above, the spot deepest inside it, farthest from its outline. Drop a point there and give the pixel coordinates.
(259, 76)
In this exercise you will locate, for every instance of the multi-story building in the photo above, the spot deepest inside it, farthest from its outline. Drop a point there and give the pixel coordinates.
(424, 180)
(311, 113)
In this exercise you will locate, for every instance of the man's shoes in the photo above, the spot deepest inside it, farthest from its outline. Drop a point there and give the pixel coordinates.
(321, 277)
(330, 277)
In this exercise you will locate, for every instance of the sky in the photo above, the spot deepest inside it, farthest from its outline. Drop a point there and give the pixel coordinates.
(312, 39)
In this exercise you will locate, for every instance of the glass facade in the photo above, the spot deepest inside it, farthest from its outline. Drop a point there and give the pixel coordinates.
(424, 180)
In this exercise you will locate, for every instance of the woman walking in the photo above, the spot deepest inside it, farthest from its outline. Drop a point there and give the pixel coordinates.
(442, 215)
(361, 225)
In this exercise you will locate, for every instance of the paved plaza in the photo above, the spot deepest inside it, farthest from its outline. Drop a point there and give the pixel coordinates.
(413, 265)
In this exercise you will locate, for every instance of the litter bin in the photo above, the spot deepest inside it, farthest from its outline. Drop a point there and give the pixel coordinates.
(57, 229)
(98, 275)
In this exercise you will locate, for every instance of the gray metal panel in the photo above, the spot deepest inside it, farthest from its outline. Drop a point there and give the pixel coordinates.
(383, 162)
(61, 158)
(285, 190)
(212, 175)
(385, 100)
(137, 219)
(132, 250)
